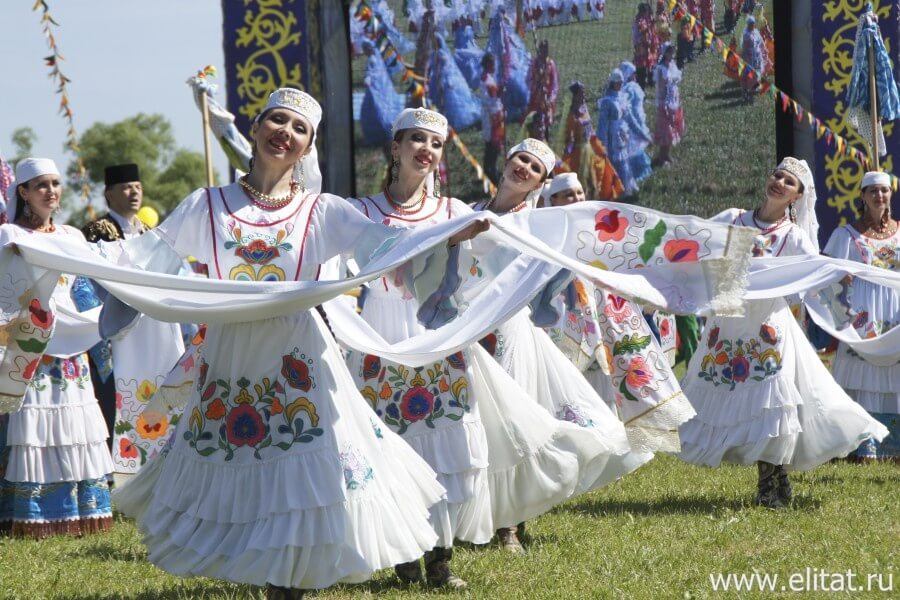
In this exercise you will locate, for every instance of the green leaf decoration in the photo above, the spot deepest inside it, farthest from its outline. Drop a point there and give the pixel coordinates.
(652, 240)
(122, 427)
(624, 389)
(32, 345)
(630, 344)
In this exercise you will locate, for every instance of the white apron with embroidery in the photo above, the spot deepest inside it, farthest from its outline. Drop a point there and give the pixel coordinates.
(433, 408)
(875, 310)
(59, 433)
(760, 391)
(279, 472)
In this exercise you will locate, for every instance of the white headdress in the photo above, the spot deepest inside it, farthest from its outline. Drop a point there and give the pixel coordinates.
(26, 170)
(562, 183)
(806, 205)
(875, 178)
(536, 148)
(306, 106)
(420, 118)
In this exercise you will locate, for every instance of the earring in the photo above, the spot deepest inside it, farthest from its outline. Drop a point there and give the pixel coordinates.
(792, 212)
(395, 169)
(26, 211)
(301, 180)
(437, 183)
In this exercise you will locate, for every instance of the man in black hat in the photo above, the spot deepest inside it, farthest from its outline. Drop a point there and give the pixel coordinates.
(124, 195)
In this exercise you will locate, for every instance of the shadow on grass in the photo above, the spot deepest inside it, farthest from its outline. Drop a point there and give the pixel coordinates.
(111, 552)
(198, 591)
(681, 505)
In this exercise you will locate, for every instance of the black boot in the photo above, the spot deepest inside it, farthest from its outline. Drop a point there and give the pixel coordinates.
(509, 539)
(409, 572)
(276, 592)
(785, 492)
(437, 569)
(767, 486)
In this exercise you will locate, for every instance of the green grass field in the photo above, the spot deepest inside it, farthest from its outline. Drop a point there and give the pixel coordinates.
(727, 152)
(658, 533)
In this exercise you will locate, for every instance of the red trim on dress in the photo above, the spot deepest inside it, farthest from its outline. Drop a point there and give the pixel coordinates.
(305, 233)
(212, 228)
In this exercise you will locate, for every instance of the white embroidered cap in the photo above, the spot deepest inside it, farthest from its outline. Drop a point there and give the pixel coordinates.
(875, 178)
(537, 148)
(297, 101)
(562, 183)
(420, 118)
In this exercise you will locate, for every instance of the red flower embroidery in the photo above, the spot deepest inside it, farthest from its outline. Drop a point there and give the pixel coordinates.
(713, 337)
(371, 366)
(638, 374)
(216, 410)
(681, 251)
(609, 225)
(416, 404)
(664, 328)
(30, 368)
(40, 317)
(244, 426)
(768, 334)
(295, 373)
(257, 252)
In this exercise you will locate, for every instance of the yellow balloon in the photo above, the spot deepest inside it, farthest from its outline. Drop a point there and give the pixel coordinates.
(148, 216)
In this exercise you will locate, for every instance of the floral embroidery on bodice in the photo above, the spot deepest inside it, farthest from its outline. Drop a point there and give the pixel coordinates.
(252, 245)
(884, 254)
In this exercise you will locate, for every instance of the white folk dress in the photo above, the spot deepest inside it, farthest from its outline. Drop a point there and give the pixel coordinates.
(502, 458)
(433, 408)
(760, 391)
(53, 453)
(531, 358)
(875, 309)
(279, 472)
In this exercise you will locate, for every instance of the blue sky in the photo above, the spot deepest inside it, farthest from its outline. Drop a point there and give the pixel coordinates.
(123, 57)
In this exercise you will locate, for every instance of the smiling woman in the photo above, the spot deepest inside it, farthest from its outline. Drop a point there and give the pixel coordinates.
(53, 454)
(760, 391)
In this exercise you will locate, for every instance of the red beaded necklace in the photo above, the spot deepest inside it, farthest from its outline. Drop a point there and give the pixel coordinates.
(406, 209)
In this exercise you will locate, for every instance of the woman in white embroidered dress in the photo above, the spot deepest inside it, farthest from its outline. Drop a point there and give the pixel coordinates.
(530, 356)
(873, 240)
(502, 459)
(761, 393)
(279, 473)
(53, 454)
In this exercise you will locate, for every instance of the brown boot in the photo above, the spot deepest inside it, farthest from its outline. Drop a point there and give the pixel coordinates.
(767, 487)
(509, 539)
(409, 572)
(276, 592)
(437, 570)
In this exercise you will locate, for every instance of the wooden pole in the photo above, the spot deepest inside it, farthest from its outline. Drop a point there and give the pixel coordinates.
(873, 89)
(207, 150)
